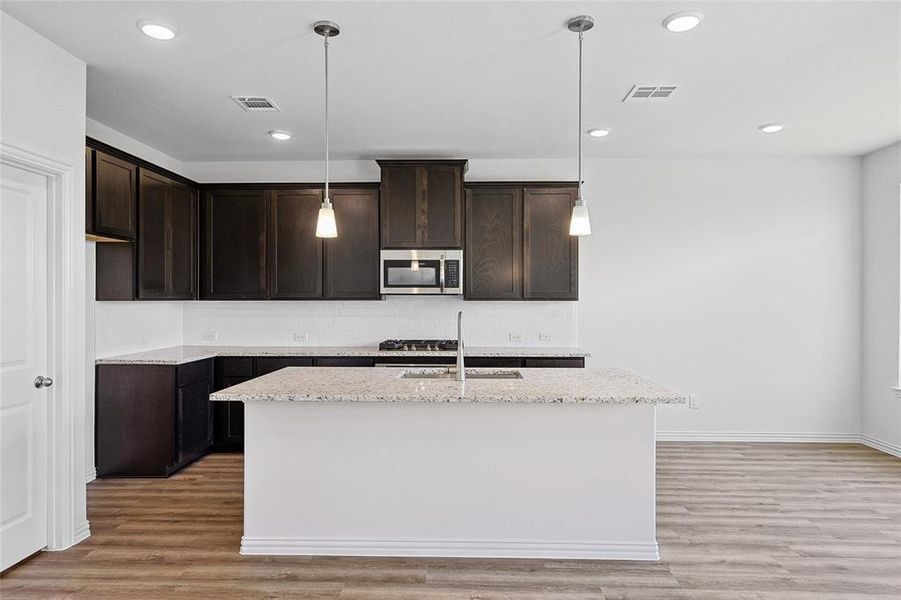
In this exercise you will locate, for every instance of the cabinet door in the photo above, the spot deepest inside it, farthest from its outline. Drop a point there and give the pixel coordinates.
(493, 244)
(115, 189)
(295, 253)
(194, 423)
(401, 211)
(271, 364)
(88, 190)
(550, 254)
(352, 259)
(233, 256)
(181, 267)
(153, 225)
(443, 201)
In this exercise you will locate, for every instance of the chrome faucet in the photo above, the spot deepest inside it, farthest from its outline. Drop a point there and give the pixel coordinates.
(461, 370)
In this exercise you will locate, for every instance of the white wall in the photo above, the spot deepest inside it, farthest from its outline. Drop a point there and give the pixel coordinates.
(736, 280)
(42, 110)
(881, 269)
(119, 140)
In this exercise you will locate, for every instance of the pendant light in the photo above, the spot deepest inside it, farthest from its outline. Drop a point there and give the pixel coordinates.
(580, 222)
(325, 224)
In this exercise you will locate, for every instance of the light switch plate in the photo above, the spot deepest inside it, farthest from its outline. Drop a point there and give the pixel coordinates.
(694, 402)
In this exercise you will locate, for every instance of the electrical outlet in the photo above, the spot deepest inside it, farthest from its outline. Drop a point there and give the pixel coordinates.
(694, 402)
(515, 337)
(209, 336)
(301, 337)
(145, 342)
(545, 337)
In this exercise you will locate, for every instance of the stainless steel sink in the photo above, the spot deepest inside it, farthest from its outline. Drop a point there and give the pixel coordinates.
(470, 374)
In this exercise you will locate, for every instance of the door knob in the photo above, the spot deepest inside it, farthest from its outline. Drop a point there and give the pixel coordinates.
(41, 382)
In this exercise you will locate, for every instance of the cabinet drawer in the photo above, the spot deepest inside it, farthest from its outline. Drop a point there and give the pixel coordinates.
(235, 367)
(201, 370)
(344, 361)
(268, 365)
(563, 363)
(493, 362)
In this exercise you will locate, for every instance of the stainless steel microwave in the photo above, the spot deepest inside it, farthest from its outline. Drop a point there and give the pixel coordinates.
(422, 272)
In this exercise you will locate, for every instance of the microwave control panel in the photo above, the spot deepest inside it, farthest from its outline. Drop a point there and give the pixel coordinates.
(452, 273)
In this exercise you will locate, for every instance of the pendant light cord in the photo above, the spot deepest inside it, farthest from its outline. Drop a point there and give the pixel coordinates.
(580, 114)
(327, 200)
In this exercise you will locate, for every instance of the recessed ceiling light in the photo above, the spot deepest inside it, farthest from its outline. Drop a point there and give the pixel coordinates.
(280, 134)
(598, 133)
(771, 128)
(157, 30)
(683, 21)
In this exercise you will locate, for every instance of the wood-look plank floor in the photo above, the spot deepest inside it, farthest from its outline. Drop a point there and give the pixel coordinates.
(736, 521)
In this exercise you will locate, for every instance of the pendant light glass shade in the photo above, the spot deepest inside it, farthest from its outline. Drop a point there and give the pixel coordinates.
(580, 222)
(325, 224)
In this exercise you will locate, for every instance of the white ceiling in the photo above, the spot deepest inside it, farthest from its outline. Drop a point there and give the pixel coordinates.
(487, 79)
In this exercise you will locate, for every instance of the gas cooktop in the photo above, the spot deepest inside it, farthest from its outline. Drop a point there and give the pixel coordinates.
(427, 345)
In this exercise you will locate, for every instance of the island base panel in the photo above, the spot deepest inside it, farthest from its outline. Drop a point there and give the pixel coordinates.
(454, 480)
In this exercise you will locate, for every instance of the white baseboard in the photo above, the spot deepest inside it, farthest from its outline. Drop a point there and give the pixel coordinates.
(82, 532)
(756, 436)
(880, 445)
(450, 548)
(767, 436)
(91, 475)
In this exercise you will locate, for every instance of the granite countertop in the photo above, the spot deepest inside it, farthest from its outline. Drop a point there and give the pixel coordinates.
(340, 384)
(178, 355)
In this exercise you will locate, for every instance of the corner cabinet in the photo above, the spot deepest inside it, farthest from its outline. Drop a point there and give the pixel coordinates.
(233, 245)
(152, 420)
(167, 222)
(422, 203)
(518, 244)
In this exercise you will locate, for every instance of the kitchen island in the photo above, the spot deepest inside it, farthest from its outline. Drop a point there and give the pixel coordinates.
(540, 463)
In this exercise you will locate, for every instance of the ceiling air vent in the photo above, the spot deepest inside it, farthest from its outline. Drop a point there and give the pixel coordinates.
(649, 92)
(256, 103)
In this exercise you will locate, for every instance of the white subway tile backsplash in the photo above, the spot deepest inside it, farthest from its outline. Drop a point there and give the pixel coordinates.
(367, 323)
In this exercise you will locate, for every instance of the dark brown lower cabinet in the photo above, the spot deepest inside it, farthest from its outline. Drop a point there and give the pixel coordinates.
(152, 420)
(228, 417)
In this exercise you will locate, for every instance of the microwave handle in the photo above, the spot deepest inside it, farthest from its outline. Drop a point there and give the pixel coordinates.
(441, 273)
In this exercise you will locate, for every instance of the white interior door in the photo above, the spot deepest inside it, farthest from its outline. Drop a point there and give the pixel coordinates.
(23, 357)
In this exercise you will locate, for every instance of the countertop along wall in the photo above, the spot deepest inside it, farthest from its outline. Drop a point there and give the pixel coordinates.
(881, 272)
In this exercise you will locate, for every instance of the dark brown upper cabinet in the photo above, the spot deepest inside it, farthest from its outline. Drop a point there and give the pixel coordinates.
(422, 203)
(167, 222)
(295, 253)
(233, 246)
(115, 184)
(88, 190)
(550, 254)
(352, 259)
(493, 256)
